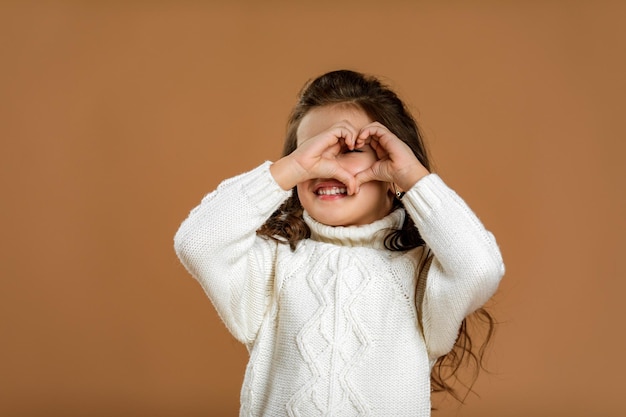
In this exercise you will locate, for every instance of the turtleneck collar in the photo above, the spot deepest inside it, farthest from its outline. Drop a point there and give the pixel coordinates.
(369, 235)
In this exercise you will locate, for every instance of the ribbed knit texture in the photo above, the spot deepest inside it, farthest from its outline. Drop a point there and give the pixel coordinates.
(332, 327)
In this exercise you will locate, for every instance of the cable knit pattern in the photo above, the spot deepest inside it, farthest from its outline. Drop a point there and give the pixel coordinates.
(332, 327)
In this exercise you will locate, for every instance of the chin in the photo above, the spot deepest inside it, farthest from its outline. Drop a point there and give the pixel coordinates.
(330, 220)
(347, 211)
(339, 220)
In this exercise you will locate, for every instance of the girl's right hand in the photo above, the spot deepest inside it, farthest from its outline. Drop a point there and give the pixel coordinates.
(316, 157)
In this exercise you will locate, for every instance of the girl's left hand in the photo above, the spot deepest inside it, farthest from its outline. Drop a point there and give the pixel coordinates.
(396, 162)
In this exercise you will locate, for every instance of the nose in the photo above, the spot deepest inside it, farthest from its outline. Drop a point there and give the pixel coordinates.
(353, 162)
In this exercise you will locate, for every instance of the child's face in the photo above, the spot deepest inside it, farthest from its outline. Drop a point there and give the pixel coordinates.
(371, 203)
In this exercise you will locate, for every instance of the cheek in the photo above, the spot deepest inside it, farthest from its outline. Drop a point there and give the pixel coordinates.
(302, 189)
(378, 189)
(306, 198)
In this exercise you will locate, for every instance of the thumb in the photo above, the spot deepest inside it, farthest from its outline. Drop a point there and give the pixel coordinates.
(347, 179)
(364, 176)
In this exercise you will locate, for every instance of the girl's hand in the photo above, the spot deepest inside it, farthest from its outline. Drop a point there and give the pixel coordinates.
(396, 162)
(316, 157)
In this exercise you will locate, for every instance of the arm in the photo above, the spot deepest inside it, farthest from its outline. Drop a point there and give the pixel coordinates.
(465, 268)
(218, 245)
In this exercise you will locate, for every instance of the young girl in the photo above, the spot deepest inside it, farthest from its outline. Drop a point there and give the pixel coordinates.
(345, 267)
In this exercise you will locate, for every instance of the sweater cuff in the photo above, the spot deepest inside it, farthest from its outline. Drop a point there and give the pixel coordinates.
(425, 197)
(262, 190)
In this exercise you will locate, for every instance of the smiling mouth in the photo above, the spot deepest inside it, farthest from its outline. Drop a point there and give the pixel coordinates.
(331, 191)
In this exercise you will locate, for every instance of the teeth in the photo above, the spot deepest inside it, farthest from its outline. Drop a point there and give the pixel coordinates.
(331, 191)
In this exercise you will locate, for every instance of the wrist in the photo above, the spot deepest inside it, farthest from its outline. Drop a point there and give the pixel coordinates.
(287, 173)
(411, 177)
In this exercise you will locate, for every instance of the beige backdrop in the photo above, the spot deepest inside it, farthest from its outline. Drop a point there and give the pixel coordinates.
(117, 117)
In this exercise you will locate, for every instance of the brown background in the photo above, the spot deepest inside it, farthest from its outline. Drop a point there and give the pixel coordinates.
(117, 117)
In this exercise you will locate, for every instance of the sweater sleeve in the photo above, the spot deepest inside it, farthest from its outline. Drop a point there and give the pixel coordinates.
(218, 245)
(466, 265)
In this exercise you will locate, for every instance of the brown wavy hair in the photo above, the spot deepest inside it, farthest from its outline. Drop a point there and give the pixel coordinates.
(286, 225)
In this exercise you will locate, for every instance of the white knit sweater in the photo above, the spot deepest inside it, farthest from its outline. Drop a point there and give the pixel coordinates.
(332, 328)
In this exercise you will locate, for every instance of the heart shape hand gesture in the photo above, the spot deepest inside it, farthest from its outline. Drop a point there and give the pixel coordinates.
(395, 162)
(321, 157)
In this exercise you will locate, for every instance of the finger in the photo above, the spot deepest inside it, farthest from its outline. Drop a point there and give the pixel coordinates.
(347, 179)
(374, 173)
(379, 149)
(346, 133)
(329, 142)
(364, 176)
(342, 134)
(375, 131)
(362, 141)
(386, 143)
(378, 136)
